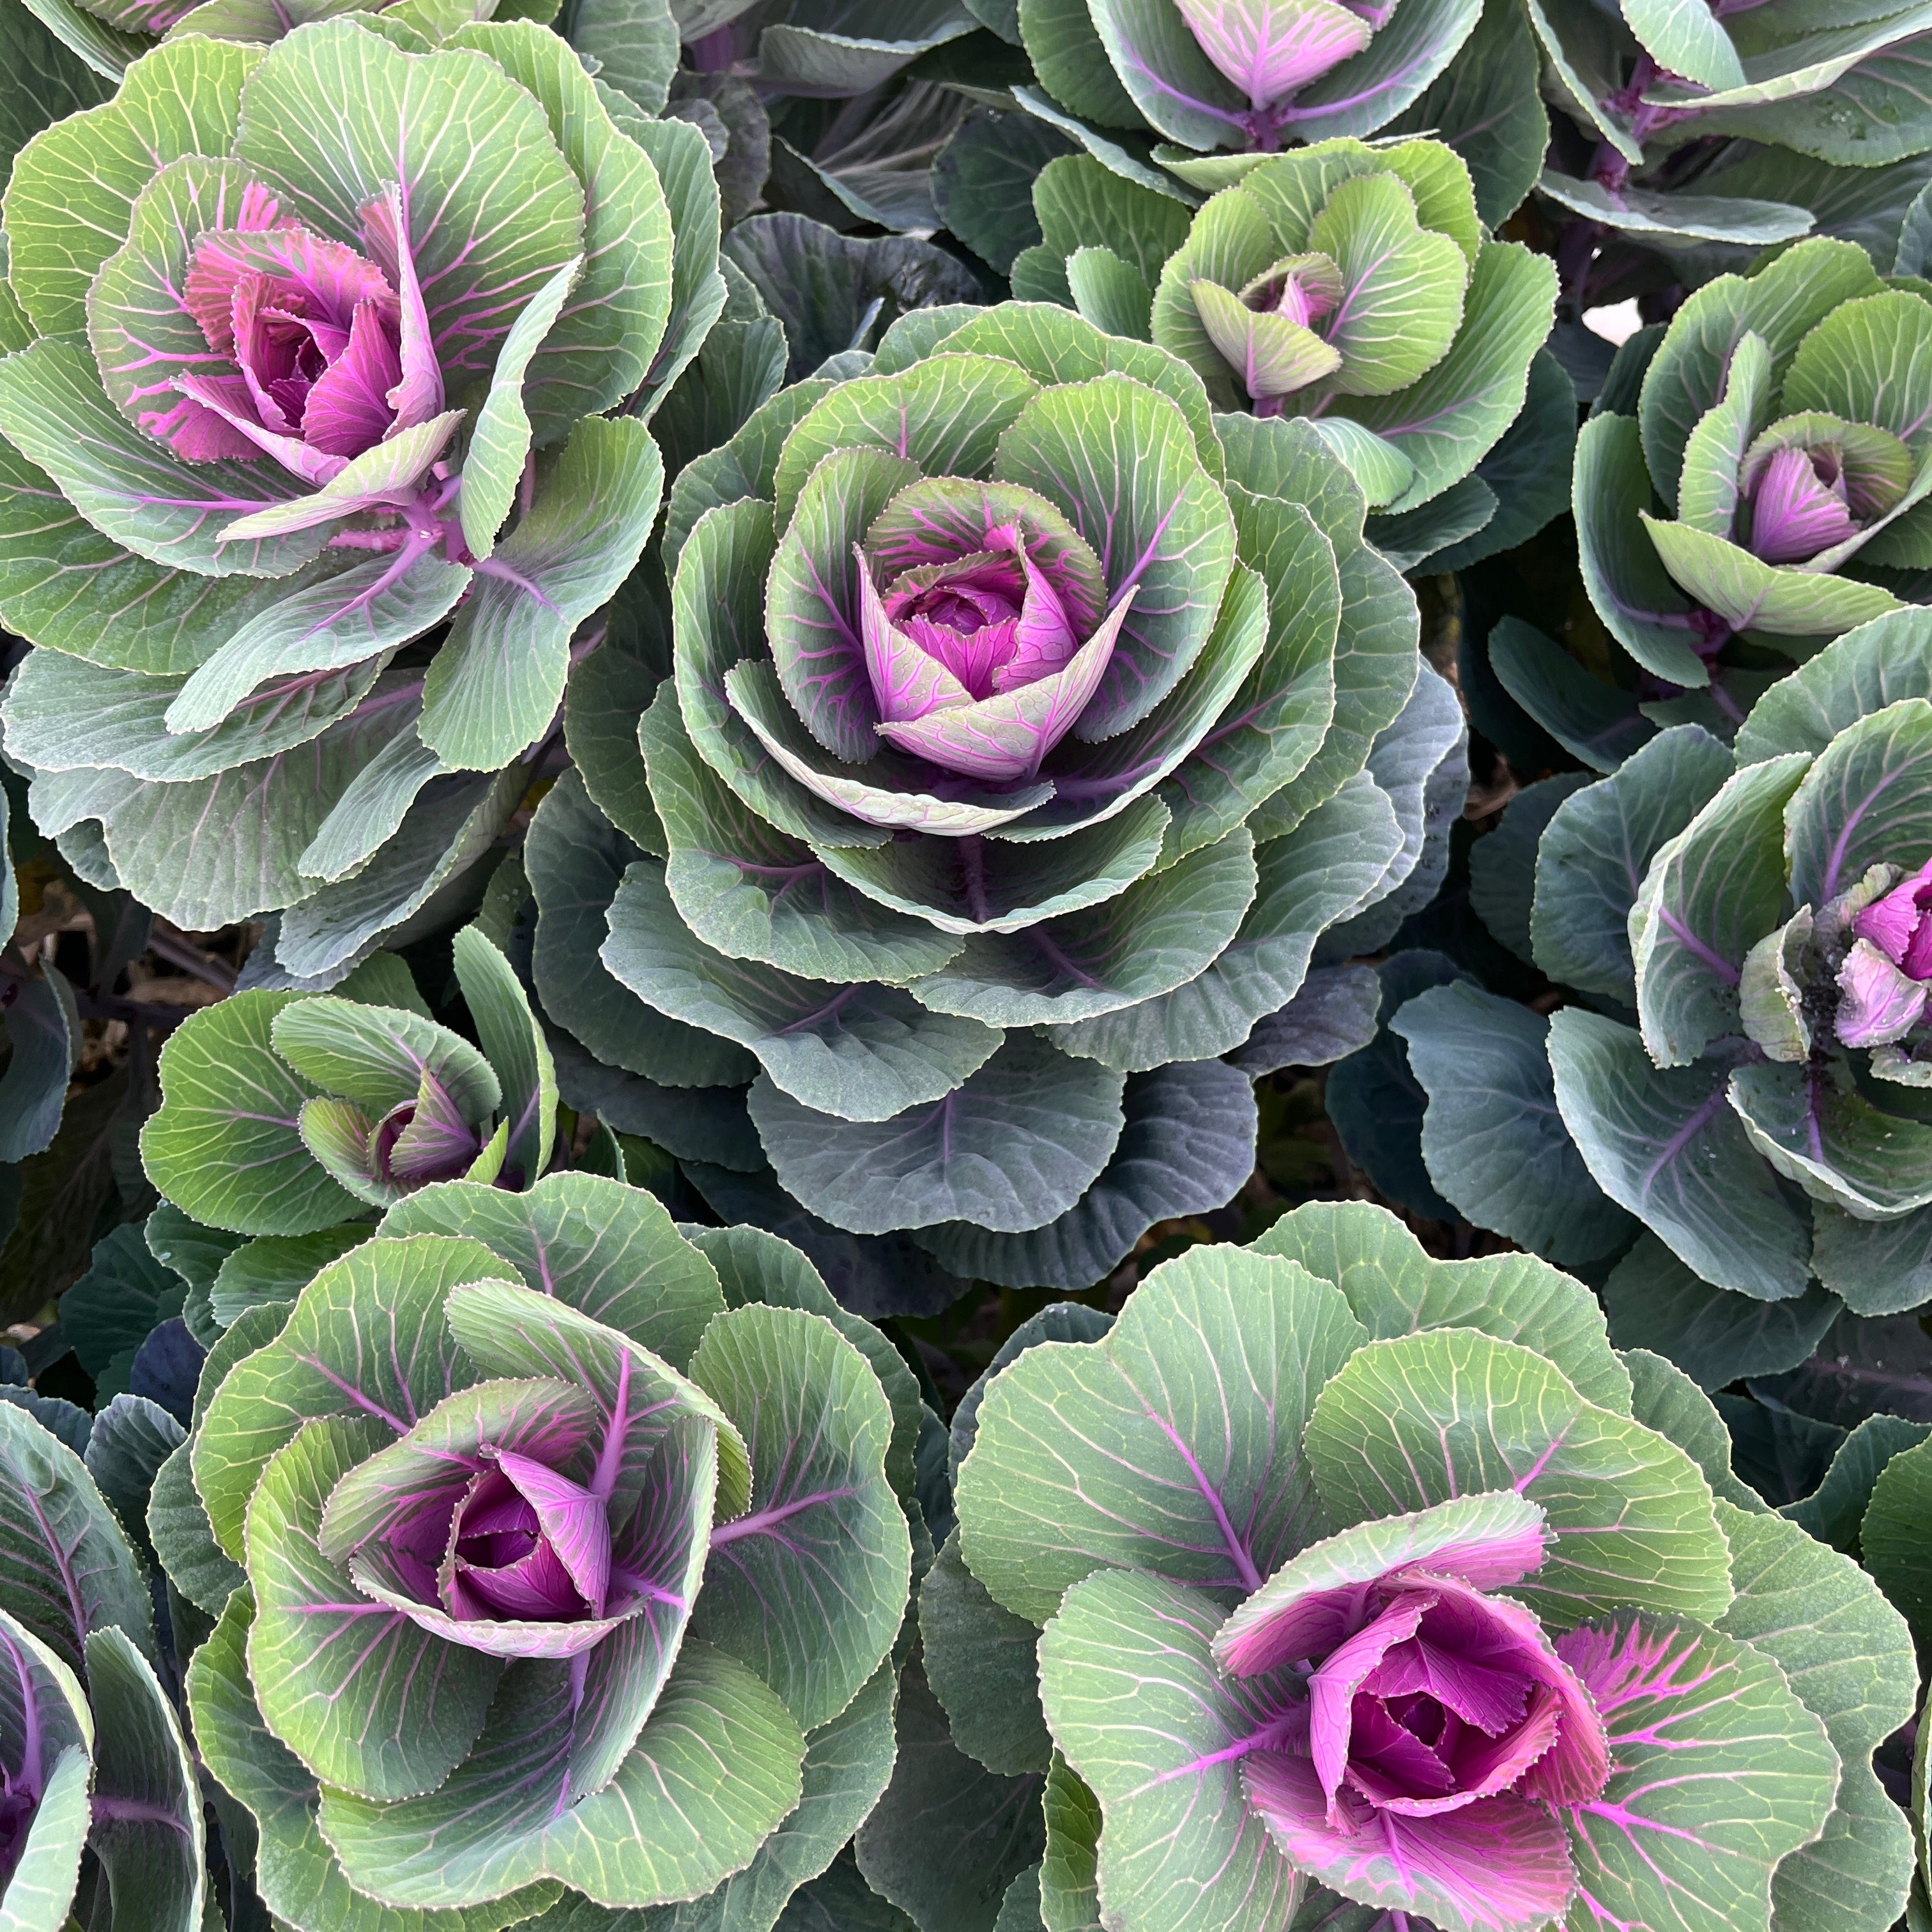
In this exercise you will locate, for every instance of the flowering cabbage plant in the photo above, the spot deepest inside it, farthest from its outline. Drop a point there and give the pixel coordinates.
(1249, 75)
(320, 435)
(1030, 728)
(556, 1562)
(1790, 469)
(101, 1812)
(1701, 130)
(1757, 911)
(286, 1113)
(1365, 1579)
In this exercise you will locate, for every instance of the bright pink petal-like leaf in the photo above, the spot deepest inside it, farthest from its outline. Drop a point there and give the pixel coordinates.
(329, 276)
(200, 432)
(1501, 1864)
(1877, 1002)
(1319, 1598)
(571, 1519)
(417, 395)
(348, 406)
(1892, 922)
(907, 681)
(208, 291)
(1794, 512)
(218, 395)
(1006, 735)
(1270, 48)
(1331, 1690)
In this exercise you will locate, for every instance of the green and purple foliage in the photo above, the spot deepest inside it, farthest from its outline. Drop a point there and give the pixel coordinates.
(1355, 287)
(1033, 732)
(1361, 1577)
(554, 1560)
(325, 446)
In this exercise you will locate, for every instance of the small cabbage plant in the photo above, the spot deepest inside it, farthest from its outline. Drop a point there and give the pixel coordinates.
(1363, 1580)
(287, 1113)
(1770, 482)
(1032, 732)
(555, 1562)
(1354, 286)
(100, 1809)
(1746, 923)
(323, 445)
(1251, 76)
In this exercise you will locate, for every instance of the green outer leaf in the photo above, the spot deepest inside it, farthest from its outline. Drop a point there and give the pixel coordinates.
(1818, 1131)
(1749, 594)
(1665, 1398)
(1598, 848)
(847, 1763)
(1069, 1897)
(1892, 1537)
(41, 1887)
(1848, 1655)
(863, 1052)
(68, 1568)
(229, 1109)
(71, 195)
(1181, 1848)
(576, 860)
(949, 1836)
(177, 1525)
(607, 1250)
(602, 345)
(1012, 1148)
(1147, 1449)
(493, 688)
(1491, 1138)
(300, 1376)
(1393, 1287)
(376, 1056)
(809, 1587)
(148, 1831)
(712, 1773)
(514, 1044)
(1662, 1142)
(131, 1438)
(295, 1870)
(1415, 1420)
(981, 1661)
(1683, 1705)
(1862, 672)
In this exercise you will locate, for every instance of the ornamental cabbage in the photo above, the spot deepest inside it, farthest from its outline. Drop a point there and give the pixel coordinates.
(342, 433)
(1755, 910)
(1029, 727)
(1362, 1579)
(556, 1562)
(1352, 285)
(1791, 470)
(1251, 76)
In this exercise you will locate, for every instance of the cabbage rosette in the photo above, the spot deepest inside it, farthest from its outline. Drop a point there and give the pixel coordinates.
(1354, 286)
(1364, 1580)
(555, 1563)
(1033, 732)
(322, 435)
(1791, 469)
(1214, 77)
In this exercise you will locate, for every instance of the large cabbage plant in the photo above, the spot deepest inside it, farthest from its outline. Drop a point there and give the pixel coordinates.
(1032, 731)
(1355, 1587)
(1739, 1083)
(323, 449)
(552, 1561)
